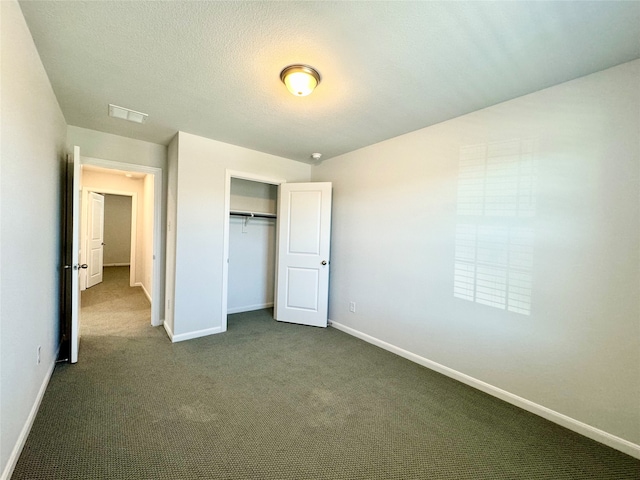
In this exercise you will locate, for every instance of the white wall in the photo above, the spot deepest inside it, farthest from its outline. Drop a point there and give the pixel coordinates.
(32, 153)
(116, 148)
(117, 229)
(560, 173)
(106, 146)
(252, 247)
(250, 196)
(252, 253)
(199, 222)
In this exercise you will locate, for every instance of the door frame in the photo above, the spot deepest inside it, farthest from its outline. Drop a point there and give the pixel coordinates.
(156, 290)
(84, 241)
(229, 174)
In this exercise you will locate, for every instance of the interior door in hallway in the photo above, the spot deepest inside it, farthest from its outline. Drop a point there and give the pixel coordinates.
(95, 238)
(70, 298)
(302, 266)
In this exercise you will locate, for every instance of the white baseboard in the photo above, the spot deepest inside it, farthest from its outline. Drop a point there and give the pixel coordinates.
(577, 426)
(249, 308)
(190, 335)
(22, 438)
(116, 264)
(168, 329)
(144, 290)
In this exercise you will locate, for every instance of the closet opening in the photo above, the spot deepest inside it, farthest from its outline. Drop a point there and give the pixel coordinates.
(250, 243)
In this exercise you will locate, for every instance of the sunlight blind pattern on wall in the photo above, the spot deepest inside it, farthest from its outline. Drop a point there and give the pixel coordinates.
(497, 180)
(494, 241)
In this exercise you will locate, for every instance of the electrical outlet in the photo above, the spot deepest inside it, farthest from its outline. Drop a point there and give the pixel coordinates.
(352, 307)
(38, 355)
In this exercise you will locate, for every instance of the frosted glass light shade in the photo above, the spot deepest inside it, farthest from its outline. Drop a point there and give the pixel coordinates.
(300, 80)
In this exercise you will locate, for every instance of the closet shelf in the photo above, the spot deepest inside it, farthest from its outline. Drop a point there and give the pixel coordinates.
(241, 213)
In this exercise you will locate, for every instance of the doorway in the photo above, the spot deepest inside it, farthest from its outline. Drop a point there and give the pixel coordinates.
(145, 223)
(300, 275)
(250, 206)
(119, 231)
(119, 225)
(252, 245)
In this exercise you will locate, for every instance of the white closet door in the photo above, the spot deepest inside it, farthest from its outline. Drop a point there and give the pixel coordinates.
(302, 272)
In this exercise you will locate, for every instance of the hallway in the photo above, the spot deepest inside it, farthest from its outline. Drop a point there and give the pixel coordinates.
(113, 308)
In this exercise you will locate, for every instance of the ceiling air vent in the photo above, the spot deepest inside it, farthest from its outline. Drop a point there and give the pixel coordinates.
(126, 114)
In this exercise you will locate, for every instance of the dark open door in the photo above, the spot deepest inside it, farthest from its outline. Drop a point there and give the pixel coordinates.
(70, 287)
(65, 270)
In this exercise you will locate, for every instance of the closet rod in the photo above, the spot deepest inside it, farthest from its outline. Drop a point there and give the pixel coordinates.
(252, 214)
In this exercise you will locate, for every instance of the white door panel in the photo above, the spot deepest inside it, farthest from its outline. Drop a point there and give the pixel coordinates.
(304, 222)
(302, 288)
(94, 265)
(304, 233)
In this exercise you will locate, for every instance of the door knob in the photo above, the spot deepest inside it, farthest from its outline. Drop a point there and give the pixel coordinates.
(324, 262)
(78, 267)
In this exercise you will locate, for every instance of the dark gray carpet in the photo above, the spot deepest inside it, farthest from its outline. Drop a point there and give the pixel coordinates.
(269, 400)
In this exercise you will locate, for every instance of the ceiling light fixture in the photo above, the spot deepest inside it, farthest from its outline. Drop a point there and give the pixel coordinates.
(299, 79)
(127, 114)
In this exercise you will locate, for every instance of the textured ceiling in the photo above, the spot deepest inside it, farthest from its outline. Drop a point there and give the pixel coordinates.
(388, 68)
